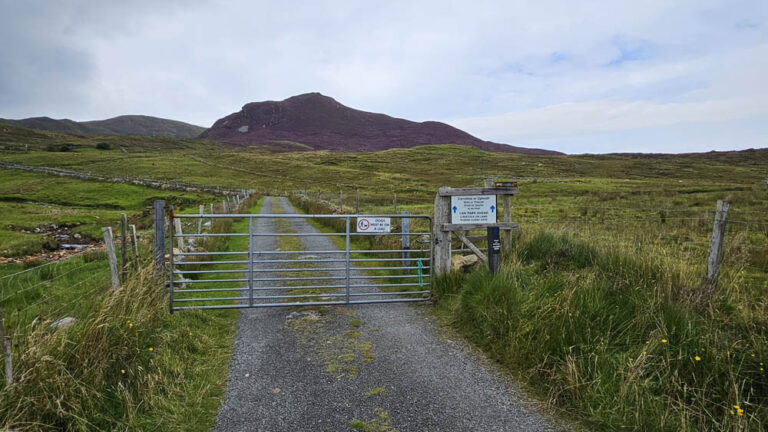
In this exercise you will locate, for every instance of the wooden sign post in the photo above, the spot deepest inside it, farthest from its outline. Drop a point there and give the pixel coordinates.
(473, 205)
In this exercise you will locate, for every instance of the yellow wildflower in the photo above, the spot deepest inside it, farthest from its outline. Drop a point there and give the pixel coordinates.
(697, 358)
(664, 341)
(122, 371)
(151, 349)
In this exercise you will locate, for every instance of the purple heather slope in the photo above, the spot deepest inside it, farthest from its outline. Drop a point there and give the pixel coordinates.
(322, 123)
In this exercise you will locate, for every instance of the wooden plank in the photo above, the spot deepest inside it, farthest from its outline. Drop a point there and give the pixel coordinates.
(107, 233)
(471, 246)
(716, 244)
(159, 241)
(472, 227)
(449, 191)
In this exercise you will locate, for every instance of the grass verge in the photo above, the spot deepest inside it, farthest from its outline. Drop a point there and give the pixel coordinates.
(126, 363)
(616, 338)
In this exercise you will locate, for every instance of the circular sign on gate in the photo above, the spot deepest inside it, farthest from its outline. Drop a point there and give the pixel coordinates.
(363, 224)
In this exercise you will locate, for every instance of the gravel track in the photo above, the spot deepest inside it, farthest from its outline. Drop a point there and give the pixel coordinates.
(387, 366)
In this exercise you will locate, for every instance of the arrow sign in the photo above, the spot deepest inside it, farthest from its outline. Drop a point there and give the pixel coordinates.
(473, 209)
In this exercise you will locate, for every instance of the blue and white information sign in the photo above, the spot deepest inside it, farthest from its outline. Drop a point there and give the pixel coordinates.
(373, 224)
(473, 209)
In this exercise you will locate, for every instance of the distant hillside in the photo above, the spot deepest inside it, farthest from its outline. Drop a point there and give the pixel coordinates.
(136, 125)
(322, 123)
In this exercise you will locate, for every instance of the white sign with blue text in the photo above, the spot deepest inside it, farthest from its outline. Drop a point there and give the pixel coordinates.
(473, 209)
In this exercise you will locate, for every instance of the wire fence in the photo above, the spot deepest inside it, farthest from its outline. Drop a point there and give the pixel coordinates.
(680, 233)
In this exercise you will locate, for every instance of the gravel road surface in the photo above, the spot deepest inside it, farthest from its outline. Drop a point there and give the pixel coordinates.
(374, 367)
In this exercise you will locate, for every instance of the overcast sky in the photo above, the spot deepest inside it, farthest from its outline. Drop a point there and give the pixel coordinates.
(575, 76)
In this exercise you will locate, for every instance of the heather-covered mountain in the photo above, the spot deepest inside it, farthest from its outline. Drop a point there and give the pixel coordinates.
(316, 122)
(137, 125)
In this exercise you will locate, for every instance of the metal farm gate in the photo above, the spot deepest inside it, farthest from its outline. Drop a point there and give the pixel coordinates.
(266, 260)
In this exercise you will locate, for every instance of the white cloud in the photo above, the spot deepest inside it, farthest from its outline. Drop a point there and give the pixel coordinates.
(504, 70)
(571, 119)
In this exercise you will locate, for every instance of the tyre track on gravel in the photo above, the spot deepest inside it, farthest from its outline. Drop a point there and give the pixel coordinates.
(384, 365)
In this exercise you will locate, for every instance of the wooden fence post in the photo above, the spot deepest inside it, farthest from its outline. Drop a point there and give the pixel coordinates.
(341, 201)
(107, 232)
(135, 247)
(357, 201)
(394, 204)
(159, 241)
(200, 220)
(6, 340)
(123, 247)
(716, 245)
(179, 233)
(442, 253)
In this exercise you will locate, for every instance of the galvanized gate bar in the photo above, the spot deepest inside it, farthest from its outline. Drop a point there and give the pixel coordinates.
(250, 262)
(273, 278)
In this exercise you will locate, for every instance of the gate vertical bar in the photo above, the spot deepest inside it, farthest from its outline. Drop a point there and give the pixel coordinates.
(170, 262)
(348, 261)
(250, 261)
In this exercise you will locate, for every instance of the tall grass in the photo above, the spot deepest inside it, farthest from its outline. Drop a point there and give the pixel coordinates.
(126, 364)
(616, 337)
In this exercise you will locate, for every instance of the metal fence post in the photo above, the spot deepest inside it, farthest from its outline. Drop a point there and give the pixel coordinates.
(348, 260)
(250, 261)
(159, 234)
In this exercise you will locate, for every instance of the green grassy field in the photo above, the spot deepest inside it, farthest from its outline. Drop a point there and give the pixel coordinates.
(597, 311)
(32, 200)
